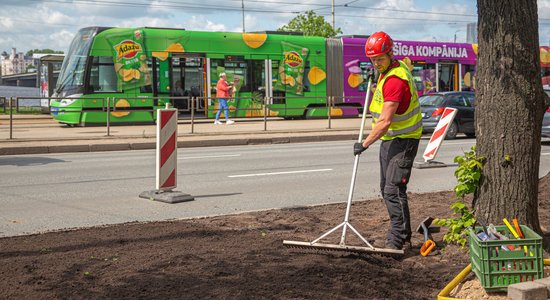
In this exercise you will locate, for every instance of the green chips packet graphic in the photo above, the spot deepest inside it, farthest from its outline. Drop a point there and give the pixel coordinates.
(130, 60)
(291, 72)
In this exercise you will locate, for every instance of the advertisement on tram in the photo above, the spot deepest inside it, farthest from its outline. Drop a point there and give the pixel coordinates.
(434, 66)
(134, 71)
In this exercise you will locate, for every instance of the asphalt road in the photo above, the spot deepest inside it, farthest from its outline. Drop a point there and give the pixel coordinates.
(68, 190)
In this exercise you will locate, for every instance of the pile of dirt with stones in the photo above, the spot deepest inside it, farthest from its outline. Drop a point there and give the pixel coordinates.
(239, 257)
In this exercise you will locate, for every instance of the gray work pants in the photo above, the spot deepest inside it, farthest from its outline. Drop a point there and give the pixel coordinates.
(396, 160)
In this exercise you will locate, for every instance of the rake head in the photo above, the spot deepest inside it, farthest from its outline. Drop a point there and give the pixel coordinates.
(343, 248)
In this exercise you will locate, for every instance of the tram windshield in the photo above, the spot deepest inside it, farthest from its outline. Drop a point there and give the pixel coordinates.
(71, 77)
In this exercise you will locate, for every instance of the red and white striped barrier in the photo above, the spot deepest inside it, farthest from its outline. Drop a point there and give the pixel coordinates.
(167, 156)
(439, 133)
(167, 159)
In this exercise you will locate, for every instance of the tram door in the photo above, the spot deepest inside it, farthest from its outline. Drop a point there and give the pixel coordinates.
(447, 76)
(188, 81)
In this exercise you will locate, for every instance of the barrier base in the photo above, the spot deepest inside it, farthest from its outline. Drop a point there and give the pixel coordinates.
(429, 164)
(166, 196)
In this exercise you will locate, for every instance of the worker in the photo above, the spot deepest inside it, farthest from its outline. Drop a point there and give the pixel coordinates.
(397, 122)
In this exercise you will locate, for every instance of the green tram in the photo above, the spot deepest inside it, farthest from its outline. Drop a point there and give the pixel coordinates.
(131, 72)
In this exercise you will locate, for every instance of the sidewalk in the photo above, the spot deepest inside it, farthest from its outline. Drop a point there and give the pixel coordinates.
(38, 134)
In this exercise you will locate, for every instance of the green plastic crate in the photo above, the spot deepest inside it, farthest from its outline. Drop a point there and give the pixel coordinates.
(496, 269)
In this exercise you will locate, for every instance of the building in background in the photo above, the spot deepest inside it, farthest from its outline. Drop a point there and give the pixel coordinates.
(471, 33)
(13, 63)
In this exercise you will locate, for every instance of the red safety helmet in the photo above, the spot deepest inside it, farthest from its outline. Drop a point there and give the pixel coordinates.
(378, 43)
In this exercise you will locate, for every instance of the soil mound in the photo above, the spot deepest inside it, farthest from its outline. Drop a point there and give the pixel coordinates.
(237, 257)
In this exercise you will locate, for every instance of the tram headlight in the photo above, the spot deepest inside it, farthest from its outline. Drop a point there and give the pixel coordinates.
(67, 102)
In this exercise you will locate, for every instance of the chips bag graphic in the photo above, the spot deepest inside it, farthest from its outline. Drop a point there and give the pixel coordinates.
(130, 59)
(291, 71)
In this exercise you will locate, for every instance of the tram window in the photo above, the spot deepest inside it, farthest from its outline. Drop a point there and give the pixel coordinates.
(257, 76)
(148, 87)
(178, 63)
(102, 75)
(365, 67)
(305, 79)
(424, 77)
(193, 76)
(417, 77)
(232, 69)
(468, 77)
(446, 77)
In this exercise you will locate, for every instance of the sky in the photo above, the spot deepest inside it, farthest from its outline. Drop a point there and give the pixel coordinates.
(39, 24)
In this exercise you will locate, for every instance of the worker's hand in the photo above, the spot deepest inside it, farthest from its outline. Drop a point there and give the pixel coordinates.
(358, 148)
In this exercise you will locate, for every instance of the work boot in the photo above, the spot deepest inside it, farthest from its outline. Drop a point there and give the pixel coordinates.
(407, 246)
(390, 245)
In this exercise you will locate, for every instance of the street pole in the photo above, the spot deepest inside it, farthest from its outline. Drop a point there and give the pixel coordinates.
(455, 34)
(333, 15)
(242, 5)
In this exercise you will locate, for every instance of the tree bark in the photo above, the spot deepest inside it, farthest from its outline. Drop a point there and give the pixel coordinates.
(510, 104)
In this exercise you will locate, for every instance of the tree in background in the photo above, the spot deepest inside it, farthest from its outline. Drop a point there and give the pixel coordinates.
(30, 68)
(42, 51)
(311, 25)
(510, 104)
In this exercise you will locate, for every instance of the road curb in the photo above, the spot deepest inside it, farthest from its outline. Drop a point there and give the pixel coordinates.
(128, 145)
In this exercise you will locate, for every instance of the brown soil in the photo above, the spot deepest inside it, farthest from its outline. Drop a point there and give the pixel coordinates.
(238, 257)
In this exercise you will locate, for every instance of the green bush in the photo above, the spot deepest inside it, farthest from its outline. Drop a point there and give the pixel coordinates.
(468, 174)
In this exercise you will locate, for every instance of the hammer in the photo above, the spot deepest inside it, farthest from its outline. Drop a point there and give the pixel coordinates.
(424, 228)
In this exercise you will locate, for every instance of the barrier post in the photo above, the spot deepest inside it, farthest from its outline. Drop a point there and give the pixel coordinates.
(193, 114)
(265, 113)
(108, 116)
(329, 107)
(436, 139)
(166, 160)
(11, 118)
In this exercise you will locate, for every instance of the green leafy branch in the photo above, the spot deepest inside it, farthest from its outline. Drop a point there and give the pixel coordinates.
(457, 226)
(468, 175)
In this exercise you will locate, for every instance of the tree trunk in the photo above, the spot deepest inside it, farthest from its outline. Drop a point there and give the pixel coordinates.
(509, 110)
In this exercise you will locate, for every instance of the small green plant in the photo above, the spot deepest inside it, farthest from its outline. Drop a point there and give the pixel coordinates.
(468, 175)
(457, 226)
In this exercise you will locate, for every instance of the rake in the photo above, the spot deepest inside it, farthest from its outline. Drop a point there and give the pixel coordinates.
(342, 246)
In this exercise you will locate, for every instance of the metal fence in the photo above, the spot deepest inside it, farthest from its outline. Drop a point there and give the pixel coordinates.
(186, 106)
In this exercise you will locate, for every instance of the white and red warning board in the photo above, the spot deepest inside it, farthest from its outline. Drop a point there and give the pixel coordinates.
(439, 133)
(167, 156)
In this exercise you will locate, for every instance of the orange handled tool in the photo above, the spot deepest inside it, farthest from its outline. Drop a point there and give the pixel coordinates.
(427, 247)
(429, 244)
(518, 229)
(515, 234)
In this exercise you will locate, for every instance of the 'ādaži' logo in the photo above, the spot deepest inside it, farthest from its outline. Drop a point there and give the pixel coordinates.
(293, 59)
(127, 49)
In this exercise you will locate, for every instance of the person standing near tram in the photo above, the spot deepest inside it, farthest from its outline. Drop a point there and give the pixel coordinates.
(397, 122)
(222, 93)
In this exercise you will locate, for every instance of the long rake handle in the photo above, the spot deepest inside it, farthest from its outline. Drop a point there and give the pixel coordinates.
(356, 163)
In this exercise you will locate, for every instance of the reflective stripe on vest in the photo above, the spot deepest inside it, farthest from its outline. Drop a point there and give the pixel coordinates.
(394, 133)
(400, 118)
(408, 124)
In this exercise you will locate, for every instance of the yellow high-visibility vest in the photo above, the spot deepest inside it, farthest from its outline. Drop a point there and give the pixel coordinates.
(406, 125)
